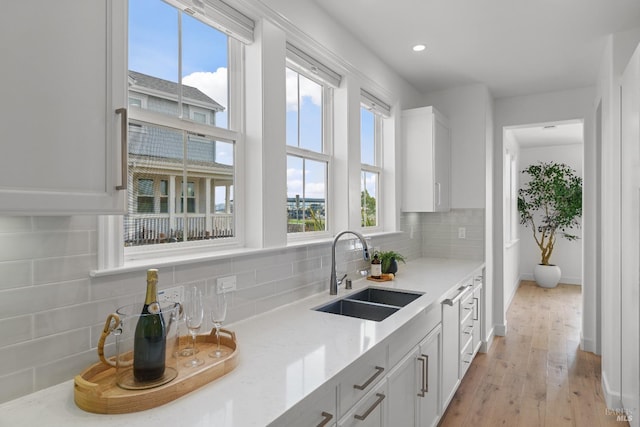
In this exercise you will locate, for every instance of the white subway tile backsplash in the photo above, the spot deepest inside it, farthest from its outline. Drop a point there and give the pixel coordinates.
(60, 370)
(42, 351)
(16, 384)
(19, 246)
(34, 299)
(16, 329)
(14, 274)
(62, 269)
(49, 331)
(196, 271)
(13, 224)
(69, 318)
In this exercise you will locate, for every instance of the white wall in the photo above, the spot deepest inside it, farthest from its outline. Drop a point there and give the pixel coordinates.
(619, 48)
(566, 254)
(543, 108)
(511, 272)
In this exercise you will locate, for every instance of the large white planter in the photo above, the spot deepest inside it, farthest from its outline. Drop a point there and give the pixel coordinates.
(547, 276)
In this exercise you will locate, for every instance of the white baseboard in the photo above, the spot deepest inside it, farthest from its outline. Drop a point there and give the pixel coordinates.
(486, 343)
(611, 398)
(587, 344)
(564, 280)
(500, 330)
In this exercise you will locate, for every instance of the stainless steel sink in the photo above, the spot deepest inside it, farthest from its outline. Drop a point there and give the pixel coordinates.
(385, 296)
(370, 303)
(361, 310)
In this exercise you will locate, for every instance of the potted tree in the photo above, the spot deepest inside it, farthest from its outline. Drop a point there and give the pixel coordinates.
(550, 203)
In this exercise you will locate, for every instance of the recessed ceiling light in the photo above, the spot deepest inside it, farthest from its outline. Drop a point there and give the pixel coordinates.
(419, 48)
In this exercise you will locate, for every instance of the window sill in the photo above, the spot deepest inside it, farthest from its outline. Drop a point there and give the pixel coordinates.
(174, 260)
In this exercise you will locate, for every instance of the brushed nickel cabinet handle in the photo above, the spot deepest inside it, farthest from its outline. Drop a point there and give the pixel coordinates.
(426, 373)
(476, 303)
(424, 368)
(370, 410)
(124, 147)
(379, 370)
(327, 417)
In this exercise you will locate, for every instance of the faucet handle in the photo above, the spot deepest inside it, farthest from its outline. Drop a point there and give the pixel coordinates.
(340, 280)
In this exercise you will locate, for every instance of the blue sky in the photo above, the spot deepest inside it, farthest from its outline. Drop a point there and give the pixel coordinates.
(153, 49)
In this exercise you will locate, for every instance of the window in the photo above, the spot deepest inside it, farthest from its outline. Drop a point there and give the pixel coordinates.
(307, 153)
(185, 70)
(511, 198)
(372, 111)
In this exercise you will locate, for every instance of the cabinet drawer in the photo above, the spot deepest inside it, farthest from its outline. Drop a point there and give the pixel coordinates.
(466, 332)
(467, 306)
(317, 409)
(466, 357)
(360, 377)
(370, 411)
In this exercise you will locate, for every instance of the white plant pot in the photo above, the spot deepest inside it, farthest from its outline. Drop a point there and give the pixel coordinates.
(547, 276)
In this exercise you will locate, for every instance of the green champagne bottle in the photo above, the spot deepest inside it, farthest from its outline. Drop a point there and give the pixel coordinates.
(149, 346)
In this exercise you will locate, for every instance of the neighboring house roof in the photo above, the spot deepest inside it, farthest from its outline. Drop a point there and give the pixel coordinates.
(165, 86)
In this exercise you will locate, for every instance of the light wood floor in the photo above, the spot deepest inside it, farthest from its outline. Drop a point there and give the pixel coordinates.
(536, 375)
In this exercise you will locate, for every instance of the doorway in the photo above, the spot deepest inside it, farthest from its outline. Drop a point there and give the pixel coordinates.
(561, 141)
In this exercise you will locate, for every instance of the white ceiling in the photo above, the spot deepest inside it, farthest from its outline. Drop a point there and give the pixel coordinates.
(551, 134)
(515, 47)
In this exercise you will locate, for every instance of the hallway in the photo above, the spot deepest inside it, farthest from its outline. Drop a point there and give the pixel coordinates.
(536, 375)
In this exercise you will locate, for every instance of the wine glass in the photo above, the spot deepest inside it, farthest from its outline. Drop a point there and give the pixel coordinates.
(193, 317)
(218, 315)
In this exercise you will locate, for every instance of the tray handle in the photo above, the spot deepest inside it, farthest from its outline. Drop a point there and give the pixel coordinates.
(112, 322)
(231, 334)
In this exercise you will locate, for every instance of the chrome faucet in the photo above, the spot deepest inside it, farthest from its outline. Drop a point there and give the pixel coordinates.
(333, 284)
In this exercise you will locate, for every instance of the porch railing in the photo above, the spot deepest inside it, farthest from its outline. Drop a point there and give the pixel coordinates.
(150, 229)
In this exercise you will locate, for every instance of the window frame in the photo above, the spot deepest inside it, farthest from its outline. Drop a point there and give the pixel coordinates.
(377, 168)
(113, 253)
(325, 156)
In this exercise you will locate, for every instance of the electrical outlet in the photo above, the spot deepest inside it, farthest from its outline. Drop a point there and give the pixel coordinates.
(225, 284)
(169, 295)
(462, 233)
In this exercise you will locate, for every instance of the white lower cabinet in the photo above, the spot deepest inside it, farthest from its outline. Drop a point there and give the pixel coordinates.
(319, 409)
(429, 399)
(369, 411)
(414, 385)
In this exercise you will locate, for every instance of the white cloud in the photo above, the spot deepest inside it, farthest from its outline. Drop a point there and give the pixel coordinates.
(212, 84)
(308, 89)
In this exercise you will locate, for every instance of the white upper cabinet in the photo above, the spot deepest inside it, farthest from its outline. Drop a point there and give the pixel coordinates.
(63, 78)
(426, 161)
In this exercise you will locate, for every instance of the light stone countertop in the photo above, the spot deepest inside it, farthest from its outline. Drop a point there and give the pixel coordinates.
(284, 355)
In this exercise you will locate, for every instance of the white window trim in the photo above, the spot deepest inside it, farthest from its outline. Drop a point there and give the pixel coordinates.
(112, 253)
(325, 156)
(378, 167)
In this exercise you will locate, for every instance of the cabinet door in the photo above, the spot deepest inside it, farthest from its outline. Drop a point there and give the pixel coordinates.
(477, 314)
(429, 396)
(450, 351)
(441, 165)
(63, 77)
(426, 161)
(369, 411)
(404, 383)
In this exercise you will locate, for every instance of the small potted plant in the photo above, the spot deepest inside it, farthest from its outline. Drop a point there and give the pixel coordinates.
(550, 203)
(389, 261)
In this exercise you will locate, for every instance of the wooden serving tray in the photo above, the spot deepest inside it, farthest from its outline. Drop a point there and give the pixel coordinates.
(95, 389)
(383, 278)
